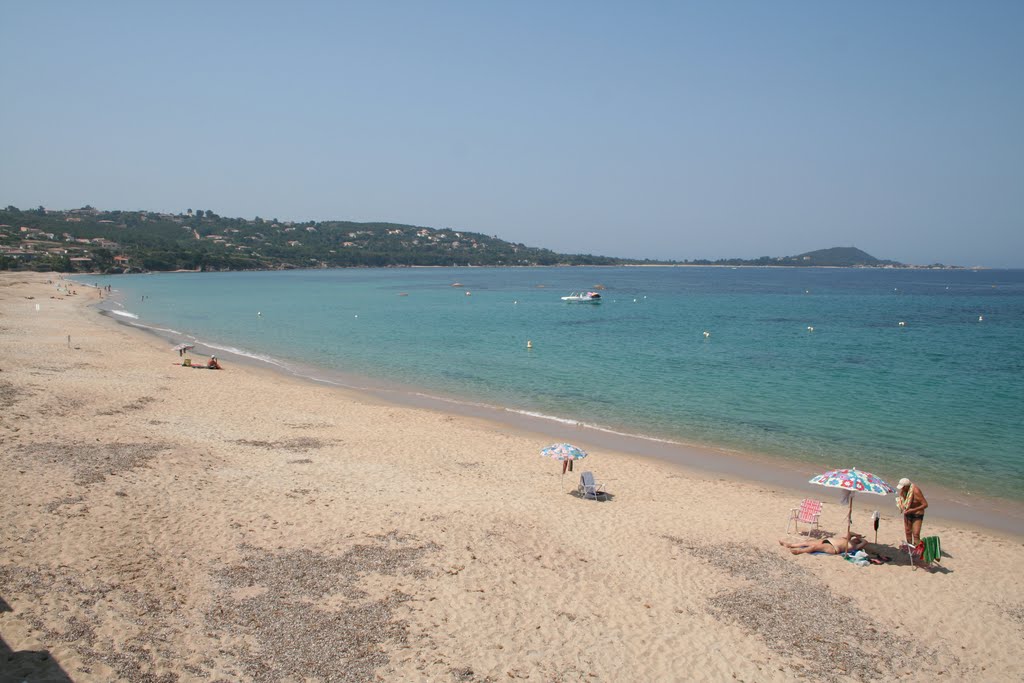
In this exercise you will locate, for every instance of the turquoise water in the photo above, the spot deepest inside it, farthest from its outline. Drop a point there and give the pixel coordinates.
(940, 398)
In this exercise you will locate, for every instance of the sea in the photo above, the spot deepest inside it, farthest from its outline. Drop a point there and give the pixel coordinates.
(900, 372)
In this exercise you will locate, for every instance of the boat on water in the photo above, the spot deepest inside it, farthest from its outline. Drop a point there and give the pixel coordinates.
(583, 298)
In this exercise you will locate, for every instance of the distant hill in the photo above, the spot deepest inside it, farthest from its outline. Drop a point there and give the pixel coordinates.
(842, 257)
(836, 257)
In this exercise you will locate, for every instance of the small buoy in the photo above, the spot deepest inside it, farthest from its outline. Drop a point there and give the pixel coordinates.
(981, 318)
(259, 313)
(515, 302)
(810, 328)
(902, 324)
(706, 334)
(357, 315)
(529, 344)
(634, 300)
(469, 293)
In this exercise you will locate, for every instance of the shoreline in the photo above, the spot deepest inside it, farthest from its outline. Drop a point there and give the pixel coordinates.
(1002, 515)
(248, 525)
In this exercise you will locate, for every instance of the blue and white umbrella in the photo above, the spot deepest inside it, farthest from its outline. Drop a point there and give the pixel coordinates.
(565, 452)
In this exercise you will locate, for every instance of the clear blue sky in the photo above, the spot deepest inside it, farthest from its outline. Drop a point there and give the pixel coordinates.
(663, 130)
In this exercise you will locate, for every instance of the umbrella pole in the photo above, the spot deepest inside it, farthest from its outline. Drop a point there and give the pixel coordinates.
(849, 525)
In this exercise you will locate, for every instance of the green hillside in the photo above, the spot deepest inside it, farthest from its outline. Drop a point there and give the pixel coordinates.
(88, 239)
(841, 256)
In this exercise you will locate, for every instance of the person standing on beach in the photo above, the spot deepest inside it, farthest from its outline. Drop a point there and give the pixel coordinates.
(910, 500)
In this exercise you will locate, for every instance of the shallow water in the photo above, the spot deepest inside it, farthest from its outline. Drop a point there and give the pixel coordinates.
(939, 398)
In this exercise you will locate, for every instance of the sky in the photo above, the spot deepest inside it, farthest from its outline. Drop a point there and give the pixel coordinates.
(676, 130)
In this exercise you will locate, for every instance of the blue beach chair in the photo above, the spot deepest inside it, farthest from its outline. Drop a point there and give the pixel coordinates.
(589, 488)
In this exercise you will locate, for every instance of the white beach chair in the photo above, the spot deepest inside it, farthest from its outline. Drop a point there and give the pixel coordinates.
(589, 488)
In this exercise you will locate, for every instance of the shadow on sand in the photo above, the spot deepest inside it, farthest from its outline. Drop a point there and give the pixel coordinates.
(35, 666)
(601, 497)
(900, 558)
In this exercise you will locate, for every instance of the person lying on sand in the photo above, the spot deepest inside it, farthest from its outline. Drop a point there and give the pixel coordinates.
(832, 546)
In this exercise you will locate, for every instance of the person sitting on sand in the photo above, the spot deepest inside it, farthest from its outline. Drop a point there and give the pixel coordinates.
(213, 364)
(833, 546)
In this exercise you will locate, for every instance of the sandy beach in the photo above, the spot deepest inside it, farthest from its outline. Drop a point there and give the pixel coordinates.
(161, 523)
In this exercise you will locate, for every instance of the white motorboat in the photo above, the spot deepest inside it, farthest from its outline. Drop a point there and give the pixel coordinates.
(583, 298)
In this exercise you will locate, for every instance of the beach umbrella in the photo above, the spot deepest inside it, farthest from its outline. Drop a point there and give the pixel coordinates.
(852, 481)
(182, 348)
(565, 452)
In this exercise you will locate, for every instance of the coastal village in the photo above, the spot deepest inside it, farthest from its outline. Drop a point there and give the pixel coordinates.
(65, 240)
(27, 244)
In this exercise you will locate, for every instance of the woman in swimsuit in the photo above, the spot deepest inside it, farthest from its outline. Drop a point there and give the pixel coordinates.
(833, 546)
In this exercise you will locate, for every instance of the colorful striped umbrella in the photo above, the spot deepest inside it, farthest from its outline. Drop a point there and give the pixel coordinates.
(853, 481)
(565, 452)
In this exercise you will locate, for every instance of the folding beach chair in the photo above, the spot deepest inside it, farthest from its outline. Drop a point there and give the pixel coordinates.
(589, 488)
(808, 513)
(928, 551)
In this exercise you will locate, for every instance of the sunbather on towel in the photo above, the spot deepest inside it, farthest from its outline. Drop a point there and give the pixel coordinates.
(832, 546)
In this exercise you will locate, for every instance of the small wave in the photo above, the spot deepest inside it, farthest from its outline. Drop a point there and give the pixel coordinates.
(544, 416)
(595, 427)
(331, 382)
(154, 328)
(263, 358)
(126, 314)
(143, 326)
(162, 329)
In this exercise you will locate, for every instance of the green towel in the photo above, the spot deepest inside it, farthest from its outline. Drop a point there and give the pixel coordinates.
(932, 549)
